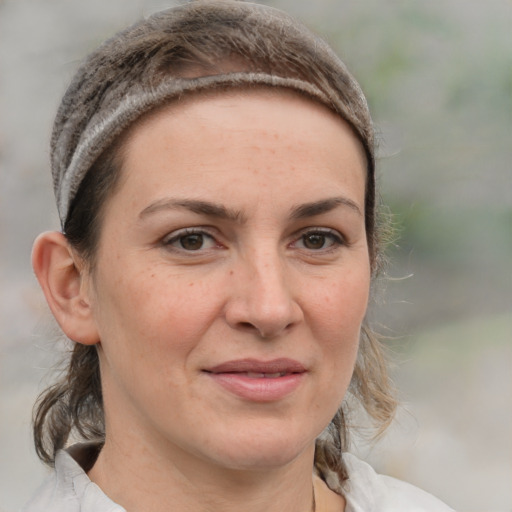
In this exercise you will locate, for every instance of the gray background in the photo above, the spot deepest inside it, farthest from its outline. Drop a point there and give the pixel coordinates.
(438, 75)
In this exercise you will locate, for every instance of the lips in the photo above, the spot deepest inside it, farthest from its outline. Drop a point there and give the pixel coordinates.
(258, 381)
(254, 375)
(275, 367)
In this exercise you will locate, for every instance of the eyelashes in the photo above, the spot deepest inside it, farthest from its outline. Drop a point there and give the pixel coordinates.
(319, 239)
(191, 240)
(315, 240)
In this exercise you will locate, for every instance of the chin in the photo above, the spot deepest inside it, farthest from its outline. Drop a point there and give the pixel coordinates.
(262, 460)
(264, 450)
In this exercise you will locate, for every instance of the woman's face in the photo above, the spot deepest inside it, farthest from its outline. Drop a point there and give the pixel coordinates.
(232, 278)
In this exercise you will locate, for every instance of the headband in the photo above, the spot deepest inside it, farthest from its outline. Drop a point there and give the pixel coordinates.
(100, 133)
(125, 79)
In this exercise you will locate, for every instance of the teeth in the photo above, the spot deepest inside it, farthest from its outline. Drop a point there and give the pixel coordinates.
(254, 375)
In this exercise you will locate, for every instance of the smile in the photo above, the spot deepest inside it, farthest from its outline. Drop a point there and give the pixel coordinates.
(253, 375)
(259, 381)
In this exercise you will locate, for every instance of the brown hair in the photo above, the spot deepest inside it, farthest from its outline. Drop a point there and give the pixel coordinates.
(205, 38)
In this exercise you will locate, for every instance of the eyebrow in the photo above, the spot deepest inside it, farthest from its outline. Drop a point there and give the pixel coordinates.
(195, 206)
(221, 212)
(323, 206)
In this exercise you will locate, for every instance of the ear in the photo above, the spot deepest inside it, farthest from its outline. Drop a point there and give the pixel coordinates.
(62, 281)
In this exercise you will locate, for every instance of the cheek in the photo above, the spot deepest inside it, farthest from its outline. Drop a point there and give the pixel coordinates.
(150, 313)
(150, 324)
(341, 303)
(340, 310)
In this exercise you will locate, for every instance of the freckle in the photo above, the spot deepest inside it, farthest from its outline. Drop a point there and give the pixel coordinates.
(231, 272)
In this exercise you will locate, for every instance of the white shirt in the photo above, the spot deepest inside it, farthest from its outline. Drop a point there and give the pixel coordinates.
(69, 489)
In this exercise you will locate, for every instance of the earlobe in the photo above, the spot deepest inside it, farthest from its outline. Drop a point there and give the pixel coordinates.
(61, 280)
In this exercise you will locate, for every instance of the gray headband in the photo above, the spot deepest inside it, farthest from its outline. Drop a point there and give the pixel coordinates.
(100, 133)
(123, 79)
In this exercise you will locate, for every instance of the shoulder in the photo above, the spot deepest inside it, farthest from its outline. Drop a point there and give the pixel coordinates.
(69, 489)
(367, 491)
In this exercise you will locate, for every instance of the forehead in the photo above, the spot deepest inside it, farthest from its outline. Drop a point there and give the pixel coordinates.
(206, 141)
(241, 105)
(229, 94)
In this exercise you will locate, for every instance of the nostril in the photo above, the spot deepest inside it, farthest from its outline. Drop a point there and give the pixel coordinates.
(247, 326)
(266, 317)
(262, 332)
(251, 328)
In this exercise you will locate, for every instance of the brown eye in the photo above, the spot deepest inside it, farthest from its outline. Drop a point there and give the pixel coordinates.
(314, 241)
(192, 242)
(189, 240)
(320, 240)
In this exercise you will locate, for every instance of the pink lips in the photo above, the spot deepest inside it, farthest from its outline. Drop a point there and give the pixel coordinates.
(259, 381)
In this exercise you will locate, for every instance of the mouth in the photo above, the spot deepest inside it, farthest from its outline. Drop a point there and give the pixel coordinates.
(254, 375)
(258, 381)
(256, 369)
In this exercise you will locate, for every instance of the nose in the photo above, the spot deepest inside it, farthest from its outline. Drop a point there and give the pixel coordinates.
(262, 301)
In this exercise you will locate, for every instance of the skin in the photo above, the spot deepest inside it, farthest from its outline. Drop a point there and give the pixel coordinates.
(271, 263)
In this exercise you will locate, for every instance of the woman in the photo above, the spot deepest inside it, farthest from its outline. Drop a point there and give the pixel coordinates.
(214, 174)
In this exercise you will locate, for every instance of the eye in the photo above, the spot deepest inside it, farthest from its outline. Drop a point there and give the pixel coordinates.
(190, 240)
(319, 239)
(314, 240)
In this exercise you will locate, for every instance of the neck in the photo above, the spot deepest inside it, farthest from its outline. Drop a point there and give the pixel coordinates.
(140, 478)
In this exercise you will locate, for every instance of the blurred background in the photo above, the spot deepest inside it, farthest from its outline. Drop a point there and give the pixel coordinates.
(438, 76)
